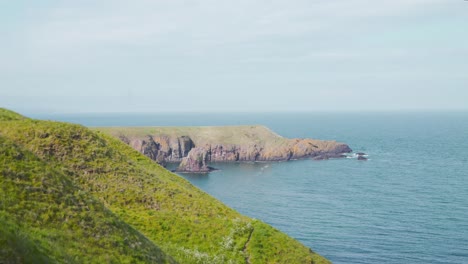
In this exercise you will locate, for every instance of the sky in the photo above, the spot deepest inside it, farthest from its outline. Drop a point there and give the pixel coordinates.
(233, 56)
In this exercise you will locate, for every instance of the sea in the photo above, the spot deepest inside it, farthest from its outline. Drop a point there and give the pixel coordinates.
(408, 203)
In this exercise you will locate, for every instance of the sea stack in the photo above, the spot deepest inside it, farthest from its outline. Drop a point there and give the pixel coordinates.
(195, 162)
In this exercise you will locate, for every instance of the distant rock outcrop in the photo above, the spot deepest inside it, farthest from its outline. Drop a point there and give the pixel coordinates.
(329, 156)
(196, 162)
(361, 156)
(161, 148)
(195, 147)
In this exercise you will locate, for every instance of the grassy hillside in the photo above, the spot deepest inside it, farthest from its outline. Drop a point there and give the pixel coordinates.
(16, 245)
(6, 115)
(45, 218)
(183, 221)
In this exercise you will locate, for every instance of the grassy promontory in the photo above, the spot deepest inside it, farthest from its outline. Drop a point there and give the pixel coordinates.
(72, 195)
(201, 135)
(194, 147)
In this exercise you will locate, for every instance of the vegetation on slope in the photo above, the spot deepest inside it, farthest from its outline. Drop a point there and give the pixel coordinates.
(183, 221)
(45, 218)
(6, 115)
(16, 246)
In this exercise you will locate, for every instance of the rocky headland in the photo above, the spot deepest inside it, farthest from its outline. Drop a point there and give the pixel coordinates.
(195, 147)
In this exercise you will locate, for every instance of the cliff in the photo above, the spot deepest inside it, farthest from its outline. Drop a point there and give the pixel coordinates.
(196, 161)
(72, 195)
(221, 144)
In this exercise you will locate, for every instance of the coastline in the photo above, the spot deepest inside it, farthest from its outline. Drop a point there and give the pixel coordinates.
(195, 147)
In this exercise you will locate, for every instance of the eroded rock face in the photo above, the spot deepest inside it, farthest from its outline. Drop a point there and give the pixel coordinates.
(304, 148)
(173, 149)
(196, 161)
(161, 149)
(193, 157)
(296, 149)
(222, 153)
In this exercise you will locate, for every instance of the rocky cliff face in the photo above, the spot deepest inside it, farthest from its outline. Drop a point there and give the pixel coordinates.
(199, 157)
(161, 148)
(196, 161)
(295, 149)
(199, 147)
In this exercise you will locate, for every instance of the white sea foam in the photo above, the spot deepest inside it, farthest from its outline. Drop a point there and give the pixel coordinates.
(355, 155)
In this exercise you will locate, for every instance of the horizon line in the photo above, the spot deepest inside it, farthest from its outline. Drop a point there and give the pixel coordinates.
(55, 112)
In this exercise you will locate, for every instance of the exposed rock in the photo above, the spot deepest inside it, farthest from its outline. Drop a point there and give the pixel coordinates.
(294, 149)
(329, 156)
(161, 160)
(196, 161)
(192, 145)
(321, 157)
(161, 148)
(172, 148)
(222, 153)
(361, 156)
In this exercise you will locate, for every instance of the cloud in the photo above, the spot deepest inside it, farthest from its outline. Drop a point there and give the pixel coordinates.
(84, 33)
(204, 22)
(162, 48)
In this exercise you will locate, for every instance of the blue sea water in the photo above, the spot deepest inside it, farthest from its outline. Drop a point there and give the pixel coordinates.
(407, 204)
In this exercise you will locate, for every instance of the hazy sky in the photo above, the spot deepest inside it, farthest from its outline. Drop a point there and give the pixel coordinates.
(243, 55)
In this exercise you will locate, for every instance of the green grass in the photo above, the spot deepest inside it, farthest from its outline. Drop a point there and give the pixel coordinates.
(6, 115)
(235, 135)
(106, 179)
(16, 245)
(266, 246)
(44, 214)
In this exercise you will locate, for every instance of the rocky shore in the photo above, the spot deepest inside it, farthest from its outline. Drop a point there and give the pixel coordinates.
(195, 147)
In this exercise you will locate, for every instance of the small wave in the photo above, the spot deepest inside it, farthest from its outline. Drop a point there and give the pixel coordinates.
(356, 155)
(351, 155)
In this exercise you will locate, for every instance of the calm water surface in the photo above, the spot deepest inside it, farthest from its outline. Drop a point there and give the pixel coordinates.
(407, 204)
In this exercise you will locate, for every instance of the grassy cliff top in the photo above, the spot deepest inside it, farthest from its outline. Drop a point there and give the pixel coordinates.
(235, 135)
(243, 136)
(70, 194)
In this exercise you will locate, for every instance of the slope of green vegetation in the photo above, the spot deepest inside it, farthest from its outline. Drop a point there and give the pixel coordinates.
(16, 246)
(6, 115)
(45, 218)
(103, 173)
